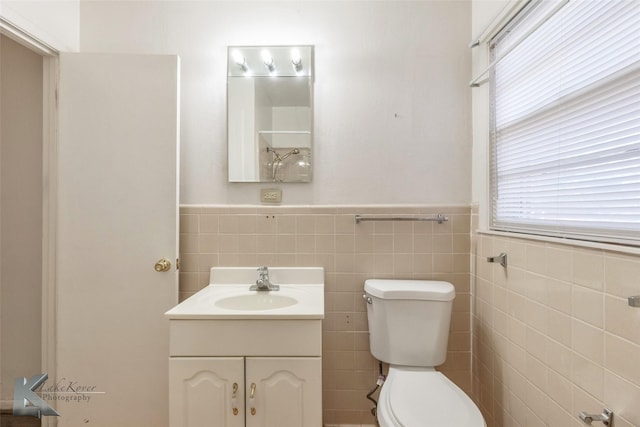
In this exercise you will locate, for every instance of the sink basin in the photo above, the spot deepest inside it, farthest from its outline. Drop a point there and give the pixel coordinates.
(301, 295)
(256, 301)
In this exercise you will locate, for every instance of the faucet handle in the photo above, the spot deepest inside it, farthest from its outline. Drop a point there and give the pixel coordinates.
(264, 273)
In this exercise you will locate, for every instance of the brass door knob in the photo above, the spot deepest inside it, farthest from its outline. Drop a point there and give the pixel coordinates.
(163, 265)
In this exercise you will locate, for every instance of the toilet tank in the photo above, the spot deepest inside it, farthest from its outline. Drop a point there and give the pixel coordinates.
(409, 320)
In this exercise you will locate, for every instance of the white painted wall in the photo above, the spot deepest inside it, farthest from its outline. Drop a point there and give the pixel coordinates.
(392, 104)
(54, 22)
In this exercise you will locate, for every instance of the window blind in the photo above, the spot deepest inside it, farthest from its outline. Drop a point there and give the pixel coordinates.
(565, 122)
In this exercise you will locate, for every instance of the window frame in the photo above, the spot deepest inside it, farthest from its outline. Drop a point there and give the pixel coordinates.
(597, 235)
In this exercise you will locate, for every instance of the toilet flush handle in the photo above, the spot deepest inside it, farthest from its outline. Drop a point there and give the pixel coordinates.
(367, 298)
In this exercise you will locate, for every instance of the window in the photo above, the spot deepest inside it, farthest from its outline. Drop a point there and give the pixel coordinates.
(565, 121)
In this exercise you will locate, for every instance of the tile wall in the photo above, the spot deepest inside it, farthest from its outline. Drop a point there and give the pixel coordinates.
(553, 334)
(350, 253)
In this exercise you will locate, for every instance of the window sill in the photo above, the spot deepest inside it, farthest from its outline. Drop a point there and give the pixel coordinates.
(567, 242)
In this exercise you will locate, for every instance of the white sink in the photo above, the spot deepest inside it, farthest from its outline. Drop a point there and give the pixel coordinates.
(301, 295)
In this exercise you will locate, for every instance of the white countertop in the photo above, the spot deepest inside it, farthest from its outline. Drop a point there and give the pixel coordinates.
(307, 290)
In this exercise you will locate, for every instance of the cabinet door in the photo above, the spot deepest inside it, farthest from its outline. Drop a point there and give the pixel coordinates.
(287, 392)
(206, 391)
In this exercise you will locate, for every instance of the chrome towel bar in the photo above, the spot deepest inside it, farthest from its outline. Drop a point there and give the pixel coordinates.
(439, 217)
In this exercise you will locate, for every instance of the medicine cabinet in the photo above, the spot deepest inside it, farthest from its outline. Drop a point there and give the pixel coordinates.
(270, 113)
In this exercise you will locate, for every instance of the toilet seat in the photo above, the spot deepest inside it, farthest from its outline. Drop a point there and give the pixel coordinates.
(423, 397)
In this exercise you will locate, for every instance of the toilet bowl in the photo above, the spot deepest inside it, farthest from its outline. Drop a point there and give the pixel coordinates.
(409, 329)
(424, 397)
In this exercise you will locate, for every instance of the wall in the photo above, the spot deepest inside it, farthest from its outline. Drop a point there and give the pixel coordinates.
(552, 333)
(53, 22)
(21, 215)
(391, 95)
(350, 254)
(392, 128)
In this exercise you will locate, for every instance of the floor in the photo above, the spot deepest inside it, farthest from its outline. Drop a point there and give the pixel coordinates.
(349, 425)
(8, 420)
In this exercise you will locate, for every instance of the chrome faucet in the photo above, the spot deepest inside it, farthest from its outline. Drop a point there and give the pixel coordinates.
(263, 283)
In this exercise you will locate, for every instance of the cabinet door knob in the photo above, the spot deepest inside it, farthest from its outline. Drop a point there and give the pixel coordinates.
(234, 400)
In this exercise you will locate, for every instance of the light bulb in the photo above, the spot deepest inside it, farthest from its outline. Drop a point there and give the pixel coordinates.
(268, 60)
(238, 58)
(296, 59)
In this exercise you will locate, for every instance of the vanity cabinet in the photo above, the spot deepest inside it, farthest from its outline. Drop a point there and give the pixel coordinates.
(206, 391)
(245, 391)
(286, 391)
(245, 373)
(242, 358)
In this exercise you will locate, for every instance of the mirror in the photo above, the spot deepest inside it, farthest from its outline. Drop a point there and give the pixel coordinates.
(270, 113)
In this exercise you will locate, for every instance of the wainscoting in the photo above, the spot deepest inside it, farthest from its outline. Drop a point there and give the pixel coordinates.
(553, 334)
(350, 253)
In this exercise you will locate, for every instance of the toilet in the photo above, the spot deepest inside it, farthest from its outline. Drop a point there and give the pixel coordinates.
(409, 329)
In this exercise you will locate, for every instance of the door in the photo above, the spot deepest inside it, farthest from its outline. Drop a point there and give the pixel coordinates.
(206, 391)
(284, 392)
(117, 216)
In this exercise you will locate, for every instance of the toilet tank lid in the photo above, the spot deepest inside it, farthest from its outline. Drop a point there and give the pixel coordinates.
(410, 289)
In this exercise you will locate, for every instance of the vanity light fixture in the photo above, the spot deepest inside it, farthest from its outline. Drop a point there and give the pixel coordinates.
(268, 60)
(238, 58)
(296, 59)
